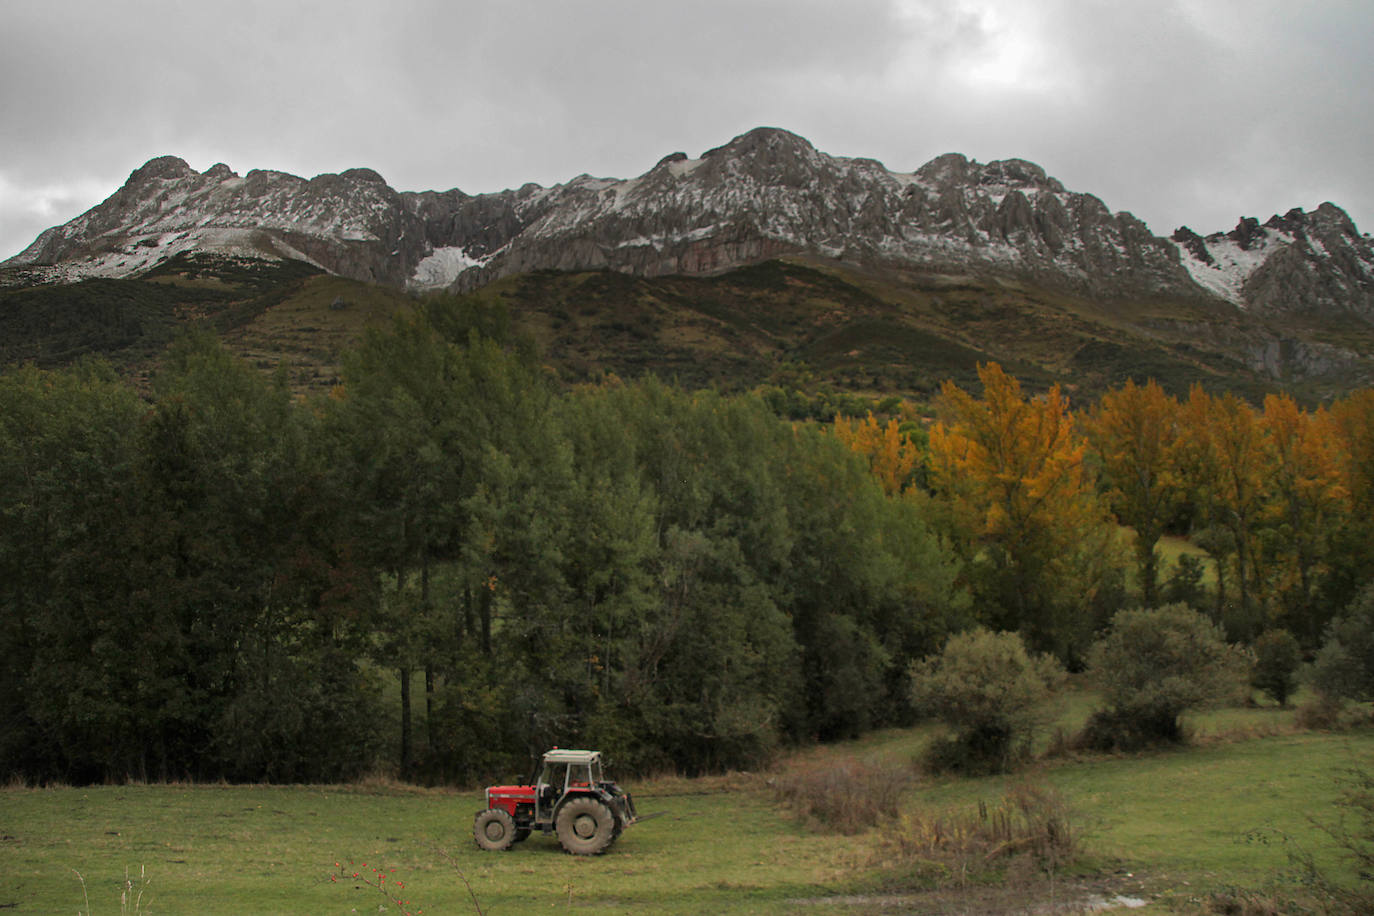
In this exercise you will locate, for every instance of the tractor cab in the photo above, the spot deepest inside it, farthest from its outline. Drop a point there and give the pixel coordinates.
(562, 772)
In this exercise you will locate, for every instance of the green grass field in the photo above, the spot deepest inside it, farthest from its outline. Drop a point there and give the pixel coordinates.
(1175, 821)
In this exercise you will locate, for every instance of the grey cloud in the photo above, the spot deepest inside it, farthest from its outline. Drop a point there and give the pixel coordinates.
(1182, 111)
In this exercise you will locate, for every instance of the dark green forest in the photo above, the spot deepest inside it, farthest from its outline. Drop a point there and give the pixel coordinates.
(454, 561)
(221, 581)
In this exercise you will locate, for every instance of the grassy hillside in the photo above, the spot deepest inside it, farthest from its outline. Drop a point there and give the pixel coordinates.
(131, 321)
(308, 331)
(795, 323)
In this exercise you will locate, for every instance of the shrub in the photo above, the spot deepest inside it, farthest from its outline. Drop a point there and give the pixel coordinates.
(1275, 670)
(1321, 712)
(1030, 822)
(1153, 665)
(843, 796)
(991, 692)
(1344, 666)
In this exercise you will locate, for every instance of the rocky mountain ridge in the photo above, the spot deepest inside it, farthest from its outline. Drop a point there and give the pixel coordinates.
(764, 194)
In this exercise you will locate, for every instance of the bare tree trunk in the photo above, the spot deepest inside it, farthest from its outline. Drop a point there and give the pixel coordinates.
(486, 621)
(429, 708)
(407, 754)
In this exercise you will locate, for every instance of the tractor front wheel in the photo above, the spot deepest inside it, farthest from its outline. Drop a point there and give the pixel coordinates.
(585, 826)
(494, 829)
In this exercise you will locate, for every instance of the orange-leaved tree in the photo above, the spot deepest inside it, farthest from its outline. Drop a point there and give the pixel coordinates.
(1306, 504)
(892, 456)
(1352, 559)
(1134, 431)
(1227, 466)
(1023, 507)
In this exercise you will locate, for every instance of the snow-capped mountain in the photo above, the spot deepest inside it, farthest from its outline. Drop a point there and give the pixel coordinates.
(353, 223)
(1300, 262)
(764, 194)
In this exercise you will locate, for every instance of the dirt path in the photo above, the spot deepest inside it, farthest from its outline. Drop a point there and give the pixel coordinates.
(1123, 893)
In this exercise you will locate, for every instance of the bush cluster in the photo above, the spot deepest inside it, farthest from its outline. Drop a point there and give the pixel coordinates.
(1153, 665)
(1344, 666)
(992, 694)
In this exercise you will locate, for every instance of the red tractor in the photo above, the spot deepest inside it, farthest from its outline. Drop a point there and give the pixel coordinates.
(570, 797)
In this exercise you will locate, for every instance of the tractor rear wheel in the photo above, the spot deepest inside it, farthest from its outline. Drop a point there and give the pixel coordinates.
(585, 826)
(494, 829)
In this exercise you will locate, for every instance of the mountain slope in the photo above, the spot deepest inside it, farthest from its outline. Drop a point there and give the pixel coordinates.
(887, 278)
(876, 331)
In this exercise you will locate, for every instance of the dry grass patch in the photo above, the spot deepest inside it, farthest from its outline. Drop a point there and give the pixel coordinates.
(843, 795)
(1030, 832)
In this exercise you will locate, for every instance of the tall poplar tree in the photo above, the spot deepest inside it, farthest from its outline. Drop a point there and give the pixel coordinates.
(1134, 431)
(1010, 469)
(1305, 506)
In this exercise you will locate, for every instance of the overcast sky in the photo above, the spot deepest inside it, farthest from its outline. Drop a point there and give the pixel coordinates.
(1181, 111)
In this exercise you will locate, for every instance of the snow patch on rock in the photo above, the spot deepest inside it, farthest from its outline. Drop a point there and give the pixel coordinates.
(441, 267)
(1231, 265)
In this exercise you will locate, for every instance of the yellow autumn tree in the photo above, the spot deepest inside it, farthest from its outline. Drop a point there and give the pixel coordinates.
(1226, 464)
(1351, 425)
(1306, 502)
(892, 456)
(1023, 505)
(1134, 431)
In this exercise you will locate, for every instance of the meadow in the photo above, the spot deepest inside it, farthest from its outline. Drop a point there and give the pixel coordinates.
(1166, 828)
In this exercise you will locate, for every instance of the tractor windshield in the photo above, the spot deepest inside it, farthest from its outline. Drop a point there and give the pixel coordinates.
(563, 776)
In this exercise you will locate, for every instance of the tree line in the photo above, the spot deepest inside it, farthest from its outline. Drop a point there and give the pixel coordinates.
(215, 579)
(219, 581)
(1276, 496)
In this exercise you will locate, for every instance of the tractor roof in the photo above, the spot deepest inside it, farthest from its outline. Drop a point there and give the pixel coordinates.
(567, 755)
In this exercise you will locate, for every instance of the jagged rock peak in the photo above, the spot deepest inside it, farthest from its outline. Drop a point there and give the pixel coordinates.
(670, 159)
(1297, 222)
(1298, 262)
(948, 168)
(367, 175)
(1291, 222)
(764, 140)
(1195, 244)
(958, 169)
(1019, 173)
(220, 172)
(1247, 232)
(1332, 215)
(161, 167)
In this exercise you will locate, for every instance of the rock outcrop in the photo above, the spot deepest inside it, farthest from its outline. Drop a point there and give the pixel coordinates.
(1300, 263)
(769, 192)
